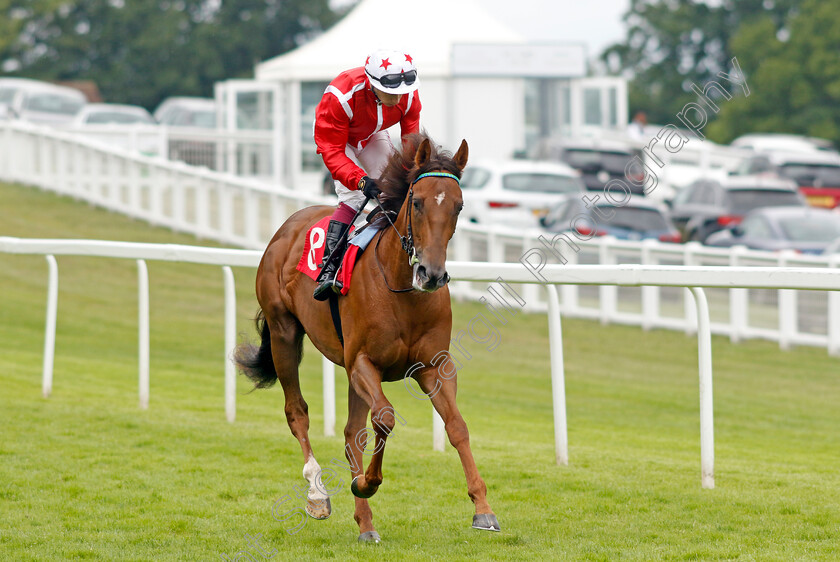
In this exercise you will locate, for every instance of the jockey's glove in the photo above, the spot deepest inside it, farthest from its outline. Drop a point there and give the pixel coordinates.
(369, 188)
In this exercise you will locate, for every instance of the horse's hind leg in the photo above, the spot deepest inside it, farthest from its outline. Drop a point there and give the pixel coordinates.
(443, 390)
(287, 351)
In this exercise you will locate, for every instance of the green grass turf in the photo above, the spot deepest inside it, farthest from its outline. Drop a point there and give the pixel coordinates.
(85, 474)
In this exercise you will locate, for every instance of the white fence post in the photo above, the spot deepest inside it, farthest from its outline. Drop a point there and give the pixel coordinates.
(608, 293)
(558, 377)
(570, 293)
(787, 308)
(690, 311)
(230, 344)
(650, 294)
(328, 376)
(49, 331)
(143, 332)
(738, 301)
(834, 314)
(707, 420)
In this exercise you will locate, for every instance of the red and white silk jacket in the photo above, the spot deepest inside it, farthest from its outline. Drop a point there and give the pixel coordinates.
(349, 113)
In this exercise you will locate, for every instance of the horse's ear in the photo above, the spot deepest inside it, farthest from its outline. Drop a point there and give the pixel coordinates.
(424, 151)
(462, 155)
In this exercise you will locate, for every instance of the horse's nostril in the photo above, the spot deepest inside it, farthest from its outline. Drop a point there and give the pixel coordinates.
(421, 272)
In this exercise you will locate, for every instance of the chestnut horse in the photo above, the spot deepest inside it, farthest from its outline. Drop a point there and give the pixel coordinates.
(397, 322)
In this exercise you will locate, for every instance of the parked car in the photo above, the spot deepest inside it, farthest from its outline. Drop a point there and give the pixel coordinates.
(707, 206)
(816, 173)
(804, 229)
(113, 113)
(125, 126)
(39, 102)
(776, 142)
(637, 219)
(515, 192)
(187, 112)
(598, 161)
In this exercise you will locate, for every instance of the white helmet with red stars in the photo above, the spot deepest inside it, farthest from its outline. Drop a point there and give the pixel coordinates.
(392, 72)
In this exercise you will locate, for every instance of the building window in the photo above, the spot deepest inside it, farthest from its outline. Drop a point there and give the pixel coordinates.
(592, 106)
(533, 112)
(310, 95)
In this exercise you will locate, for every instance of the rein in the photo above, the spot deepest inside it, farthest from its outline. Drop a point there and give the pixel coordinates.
(407, 241)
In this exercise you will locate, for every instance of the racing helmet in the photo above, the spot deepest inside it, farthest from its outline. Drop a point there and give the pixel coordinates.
(392, 72)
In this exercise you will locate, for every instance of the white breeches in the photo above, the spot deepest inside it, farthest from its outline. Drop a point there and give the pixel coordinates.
(372, 159)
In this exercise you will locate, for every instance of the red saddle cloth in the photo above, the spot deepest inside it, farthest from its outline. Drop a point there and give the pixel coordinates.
(313, 253)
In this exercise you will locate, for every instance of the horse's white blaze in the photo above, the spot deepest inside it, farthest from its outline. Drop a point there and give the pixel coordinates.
(312, 473)
(440, 197)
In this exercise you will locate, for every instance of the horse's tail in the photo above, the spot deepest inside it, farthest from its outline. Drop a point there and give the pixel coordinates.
(255, 362)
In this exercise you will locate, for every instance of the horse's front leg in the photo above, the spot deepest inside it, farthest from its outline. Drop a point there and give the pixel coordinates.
(366, 380)
(442, 390)
(357, 412)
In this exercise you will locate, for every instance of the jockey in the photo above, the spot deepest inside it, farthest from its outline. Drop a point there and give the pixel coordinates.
(350, 132)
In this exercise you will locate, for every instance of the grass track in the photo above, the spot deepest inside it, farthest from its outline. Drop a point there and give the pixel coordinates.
(87, 475)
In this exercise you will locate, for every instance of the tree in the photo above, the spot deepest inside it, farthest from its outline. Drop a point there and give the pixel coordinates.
(794, 76)
(673, 43)
(143, 51)
(14, 17)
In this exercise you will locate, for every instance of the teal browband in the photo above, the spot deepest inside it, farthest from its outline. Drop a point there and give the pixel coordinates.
(436, 175)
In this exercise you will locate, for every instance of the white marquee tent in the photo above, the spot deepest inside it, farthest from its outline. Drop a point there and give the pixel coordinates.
(425, 28)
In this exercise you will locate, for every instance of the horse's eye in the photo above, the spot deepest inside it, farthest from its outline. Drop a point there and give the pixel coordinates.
(418, 205)
(459, 208)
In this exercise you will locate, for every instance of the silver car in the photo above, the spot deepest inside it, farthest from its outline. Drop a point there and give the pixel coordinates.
(515, 193)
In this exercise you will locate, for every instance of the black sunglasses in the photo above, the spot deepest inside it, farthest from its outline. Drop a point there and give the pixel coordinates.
(394, 80)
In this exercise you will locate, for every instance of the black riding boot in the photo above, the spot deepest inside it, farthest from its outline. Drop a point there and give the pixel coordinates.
(327, 283)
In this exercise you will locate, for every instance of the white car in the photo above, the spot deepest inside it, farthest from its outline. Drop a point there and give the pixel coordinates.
(117, 125)
(183, 113)
(39, 102)
(187, 112)
(113, 113)
(515, 193)
(772, 142)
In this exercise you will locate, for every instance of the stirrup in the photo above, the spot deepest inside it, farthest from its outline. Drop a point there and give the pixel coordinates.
(327, 287)
(328, 282)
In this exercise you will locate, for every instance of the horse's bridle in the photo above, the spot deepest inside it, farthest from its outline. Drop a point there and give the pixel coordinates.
(407, 241)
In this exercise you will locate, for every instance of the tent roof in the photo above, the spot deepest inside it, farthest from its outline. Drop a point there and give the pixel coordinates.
(425, 28)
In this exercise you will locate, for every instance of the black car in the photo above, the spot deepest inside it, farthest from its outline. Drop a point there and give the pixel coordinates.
(598, 161)
(707, 206)
(803, 229)
(638, 218)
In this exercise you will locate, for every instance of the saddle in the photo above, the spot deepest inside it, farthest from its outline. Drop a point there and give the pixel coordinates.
(313, 250)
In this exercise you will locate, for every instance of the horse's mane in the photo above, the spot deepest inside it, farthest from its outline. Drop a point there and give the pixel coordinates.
(400, 171)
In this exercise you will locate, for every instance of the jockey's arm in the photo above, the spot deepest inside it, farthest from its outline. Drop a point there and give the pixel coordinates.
(332, 133)
(410, 122)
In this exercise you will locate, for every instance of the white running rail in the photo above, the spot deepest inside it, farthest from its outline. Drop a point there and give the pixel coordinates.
(688, 277)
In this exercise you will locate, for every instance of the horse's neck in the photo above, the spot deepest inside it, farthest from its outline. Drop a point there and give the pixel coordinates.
(394, 259)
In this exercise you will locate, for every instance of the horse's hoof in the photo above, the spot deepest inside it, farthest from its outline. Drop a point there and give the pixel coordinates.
(486, 522)
(318, 509)
(354, 487)
(370, 537)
